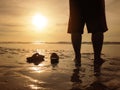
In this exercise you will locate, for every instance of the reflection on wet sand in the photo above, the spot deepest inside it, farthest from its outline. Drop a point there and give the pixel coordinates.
(36, 86)
(97, 85)
(35, 83)
(54, 59)
(36, 69)
(78, 83)
(54, 66)
(97, 67)
(75, 78)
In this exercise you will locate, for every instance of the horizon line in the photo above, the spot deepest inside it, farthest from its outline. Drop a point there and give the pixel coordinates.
(59, 42)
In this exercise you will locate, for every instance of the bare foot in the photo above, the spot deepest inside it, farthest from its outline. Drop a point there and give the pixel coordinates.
(97, 66)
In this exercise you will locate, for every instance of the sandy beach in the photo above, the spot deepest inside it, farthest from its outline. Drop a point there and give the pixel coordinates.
(17, 74)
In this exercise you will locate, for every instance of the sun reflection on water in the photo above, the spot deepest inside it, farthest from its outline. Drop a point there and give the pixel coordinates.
(37, 69)
(34, 87)
(41, 51)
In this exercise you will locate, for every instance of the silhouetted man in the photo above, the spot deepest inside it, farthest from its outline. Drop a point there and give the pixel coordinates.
(91, 13)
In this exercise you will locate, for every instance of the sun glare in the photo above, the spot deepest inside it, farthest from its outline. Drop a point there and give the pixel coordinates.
(39, 21)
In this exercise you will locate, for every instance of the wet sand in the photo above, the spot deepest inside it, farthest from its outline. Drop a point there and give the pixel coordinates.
(17, 74)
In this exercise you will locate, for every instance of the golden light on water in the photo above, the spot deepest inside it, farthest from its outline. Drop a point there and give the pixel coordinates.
(37, 69)
(38, 42)
(39, 21)
(36, 86)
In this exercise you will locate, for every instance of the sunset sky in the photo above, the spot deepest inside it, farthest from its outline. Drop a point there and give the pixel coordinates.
(16, 20)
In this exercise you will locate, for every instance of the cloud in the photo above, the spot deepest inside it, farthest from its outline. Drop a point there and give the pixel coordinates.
(1, 31)
(8, 7)
(19, 7)
(61, 24)
(12, 25)
(16, 7)
(6, 28)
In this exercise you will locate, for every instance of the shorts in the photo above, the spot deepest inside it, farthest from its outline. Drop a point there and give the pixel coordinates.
(91, 13)
(93, 25)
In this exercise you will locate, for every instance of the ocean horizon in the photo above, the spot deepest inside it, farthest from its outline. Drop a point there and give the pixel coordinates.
(59, 42)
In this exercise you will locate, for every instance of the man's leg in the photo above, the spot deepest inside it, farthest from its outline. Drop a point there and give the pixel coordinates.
(97, 40)
(76, 42)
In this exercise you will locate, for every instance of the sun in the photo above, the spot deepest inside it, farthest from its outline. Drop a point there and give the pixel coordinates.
(39, 21)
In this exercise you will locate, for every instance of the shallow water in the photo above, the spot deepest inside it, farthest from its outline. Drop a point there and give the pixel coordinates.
(17, 74)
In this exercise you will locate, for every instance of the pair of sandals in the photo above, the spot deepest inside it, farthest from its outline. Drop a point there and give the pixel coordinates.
(37, 58)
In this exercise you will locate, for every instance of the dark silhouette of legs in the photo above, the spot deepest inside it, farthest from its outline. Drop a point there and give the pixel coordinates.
(76, 42)
(97, 40)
